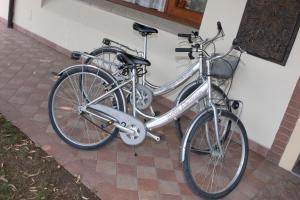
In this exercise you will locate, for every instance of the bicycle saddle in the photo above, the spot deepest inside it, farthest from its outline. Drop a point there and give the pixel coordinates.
(132, 60)
(144, 30)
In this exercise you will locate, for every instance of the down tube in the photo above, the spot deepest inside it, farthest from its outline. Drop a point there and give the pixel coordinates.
(188, 73)
(168, 117)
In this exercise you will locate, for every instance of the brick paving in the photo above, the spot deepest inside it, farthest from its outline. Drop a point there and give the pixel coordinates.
(112, 172)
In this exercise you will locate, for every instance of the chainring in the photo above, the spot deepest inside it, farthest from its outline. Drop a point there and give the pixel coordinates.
(127, 121)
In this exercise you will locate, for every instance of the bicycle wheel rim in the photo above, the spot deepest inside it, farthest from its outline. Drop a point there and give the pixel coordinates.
(64, 132)
(198, 177)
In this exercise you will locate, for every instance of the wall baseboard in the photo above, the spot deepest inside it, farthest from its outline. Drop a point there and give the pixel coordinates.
(163, 103)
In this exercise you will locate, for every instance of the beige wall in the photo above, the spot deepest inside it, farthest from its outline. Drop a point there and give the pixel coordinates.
(264, 87)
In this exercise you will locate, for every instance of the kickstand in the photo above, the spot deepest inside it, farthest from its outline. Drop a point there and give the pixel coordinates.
(135, 153)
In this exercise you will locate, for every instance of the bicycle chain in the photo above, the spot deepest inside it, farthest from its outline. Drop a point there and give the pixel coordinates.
(102, 127)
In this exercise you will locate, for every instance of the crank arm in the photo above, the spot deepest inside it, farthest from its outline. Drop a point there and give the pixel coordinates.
(124, 129)
(154, 137)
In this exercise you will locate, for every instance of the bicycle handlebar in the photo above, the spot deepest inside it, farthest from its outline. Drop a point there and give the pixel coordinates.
(186, 35)
(187, 50)
(235, 45)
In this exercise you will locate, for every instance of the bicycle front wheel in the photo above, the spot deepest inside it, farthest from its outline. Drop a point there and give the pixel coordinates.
(72, 91)
(216, 174)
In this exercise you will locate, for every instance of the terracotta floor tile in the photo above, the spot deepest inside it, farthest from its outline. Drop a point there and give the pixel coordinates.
(147, 184)
(127, 182)
(108, 155)
(166, 175)
(146, 172)
(168, 187)
(169, 197)
(148, 195)
(128, 170)
(145, 161)
(126, 158)
(163, 163)
(106, 167)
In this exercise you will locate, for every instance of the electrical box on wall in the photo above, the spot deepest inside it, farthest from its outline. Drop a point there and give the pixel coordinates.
(269, 28)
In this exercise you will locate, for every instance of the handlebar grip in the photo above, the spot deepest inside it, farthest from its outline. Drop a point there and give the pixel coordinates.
(183, 50)
(185, 35)
(220, 28)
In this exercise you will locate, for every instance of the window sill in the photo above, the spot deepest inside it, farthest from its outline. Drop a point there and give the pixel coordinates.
(155, 19)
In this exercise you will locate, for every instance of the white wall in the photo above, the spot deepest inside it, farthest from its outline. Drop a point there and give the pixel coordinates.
(4, 8)
(264, 87)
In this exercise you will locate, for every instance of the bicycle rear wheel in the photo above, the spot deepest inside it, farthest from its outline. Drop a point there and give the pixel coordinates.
(106, 58)
(76, 127)
(214, 175)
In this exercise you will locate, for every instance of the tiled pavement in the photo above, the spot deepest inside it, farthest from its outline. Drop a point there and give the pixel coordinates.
(113, 172)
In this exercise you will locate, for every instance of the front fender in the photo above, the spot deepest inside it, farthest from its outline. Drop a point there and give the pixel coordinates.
(181, 94)
(188, 132)
(76, 66)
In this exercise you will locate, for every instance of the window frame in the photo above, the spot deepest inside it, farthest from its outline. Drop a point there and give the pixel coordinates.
(172, 13)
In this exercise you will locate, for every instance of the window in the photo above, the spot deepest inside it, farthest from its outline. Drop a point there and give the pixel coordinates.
(188, 12)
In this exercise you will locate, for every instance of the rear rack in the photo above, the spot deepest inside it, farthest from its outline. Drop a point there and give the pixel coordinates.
(109, 42)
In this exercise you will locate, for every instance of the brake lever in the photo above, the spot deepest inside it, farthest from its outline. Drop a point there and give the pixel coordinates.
(190, 54)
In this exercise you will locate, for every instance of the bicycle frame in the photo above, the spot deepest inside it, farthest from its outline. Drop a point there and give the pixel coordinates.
(182, 78)
(172, 114)
(165, 88)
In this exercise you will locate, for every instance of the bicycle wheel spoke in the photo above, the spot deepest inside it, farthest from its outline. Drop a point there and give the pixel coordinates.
(222, 166)
(74, 89)
(67, 106)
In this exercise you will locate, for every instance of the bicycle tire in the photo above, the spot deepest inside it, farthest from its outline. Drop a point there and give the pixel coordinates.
(191, 177)
(102, 51)
(53, 97)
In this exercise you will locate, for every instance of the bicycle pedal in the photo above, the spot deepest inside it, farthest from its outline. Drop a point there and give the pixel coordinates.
(162, 137)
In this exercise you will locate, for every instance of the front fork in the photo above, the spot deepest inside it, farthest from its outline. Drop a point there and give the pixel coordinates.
(215, 112)
(217, 131)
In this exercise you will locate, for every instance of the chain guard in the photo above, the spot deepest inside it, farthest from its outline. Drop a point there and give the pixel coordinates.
(144, 97)
(127, 121)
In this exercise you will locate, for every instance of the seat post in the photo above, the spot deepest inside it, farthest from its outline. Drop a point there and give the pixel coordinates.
(145, 45)
(145, 56)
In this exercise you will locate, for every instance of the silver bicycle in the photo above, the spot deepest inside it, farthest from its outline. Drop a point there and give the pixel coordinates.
(214, 150)
(105, 57)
